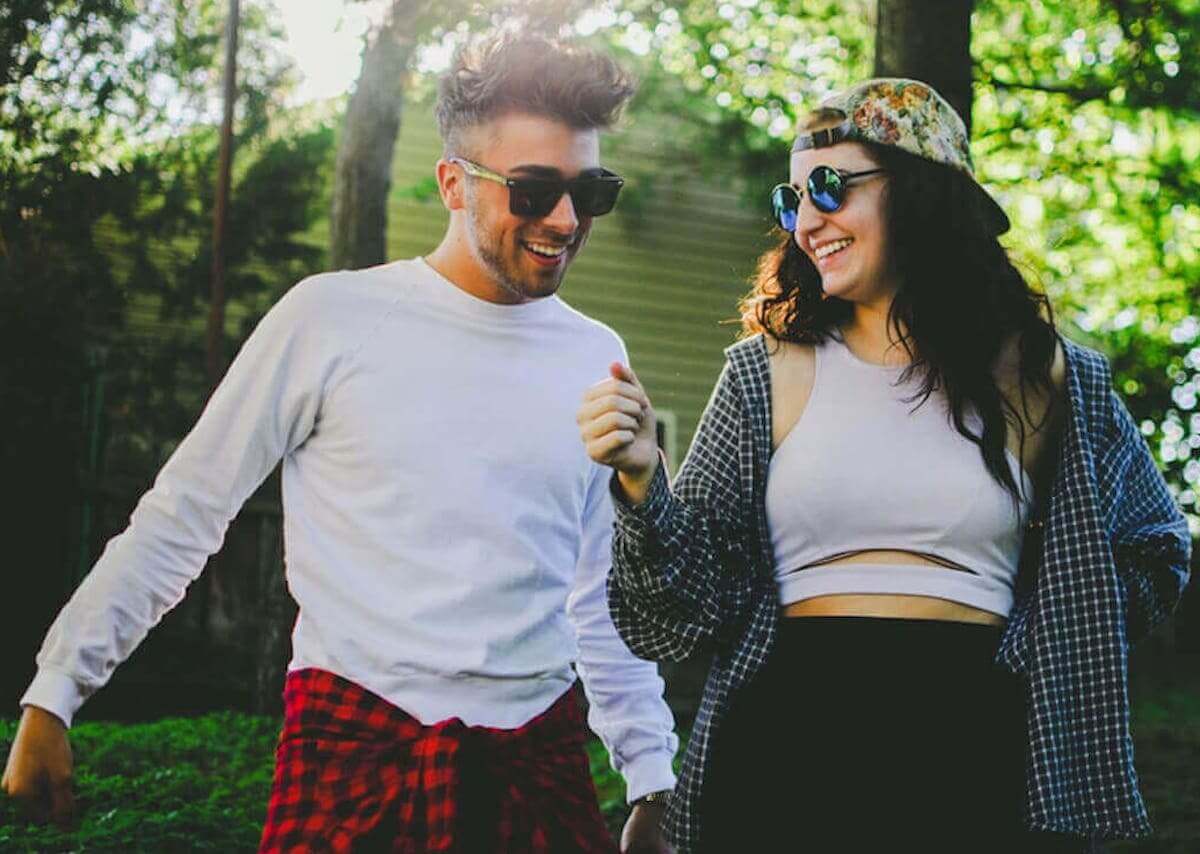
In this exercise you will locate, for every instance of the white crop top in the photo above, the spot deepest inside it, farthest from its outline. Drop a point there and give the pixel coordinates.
(862, 471)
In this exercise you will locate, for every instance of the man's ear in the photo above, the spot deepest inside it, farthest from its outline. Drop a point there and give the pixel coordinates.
(451, 184)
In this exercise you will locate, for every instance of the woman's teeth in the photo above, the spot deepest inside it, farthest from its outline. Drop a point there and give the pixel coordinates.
(828, 249)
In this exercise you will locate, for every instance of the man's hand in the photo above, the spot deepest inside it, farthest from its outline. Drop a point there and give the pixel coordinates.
(619, 429)
(40, 769)
(642, 834)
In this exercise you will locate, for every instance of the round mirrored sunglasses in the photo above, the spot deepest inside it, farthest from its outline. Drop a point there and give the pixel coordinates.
(826, 187)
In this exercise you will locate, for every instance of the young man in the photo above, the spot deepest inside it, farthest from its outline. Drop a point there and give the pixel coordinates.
(447, 538)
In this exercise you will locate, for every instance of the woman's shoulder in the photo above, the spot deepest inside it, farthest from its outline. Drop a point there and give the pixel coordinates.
(1058, 367)
(793, 372)
(757, 363)
(747, 361)
(748, 348)
(1008, 363)
(762, 346)
(1090, 365)
(779, 350)
(790, 363)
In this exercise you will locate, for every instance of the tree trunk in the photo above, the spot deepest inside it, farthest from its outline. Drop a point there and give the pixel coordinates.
(363, 176)
(215, 355)
(927, 41)
(277, 618)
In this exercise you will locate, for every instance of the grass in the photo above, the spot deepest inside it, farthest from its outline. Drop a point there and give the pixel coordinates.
(201, 784)
(179, 784)
(187, 784)
(1166, 735)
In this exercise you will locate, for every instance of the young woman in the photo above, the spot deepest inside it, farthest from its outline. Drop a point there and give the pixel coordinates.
(916, 529)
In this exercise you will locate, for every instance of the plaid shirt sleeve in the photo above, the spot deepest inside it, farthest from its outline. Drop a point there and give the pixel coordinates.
(1151, 544)
(680, 558)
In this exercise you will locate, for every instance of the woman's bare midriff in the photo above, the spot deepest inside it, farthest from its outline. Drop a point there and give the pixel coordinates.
(896, 606)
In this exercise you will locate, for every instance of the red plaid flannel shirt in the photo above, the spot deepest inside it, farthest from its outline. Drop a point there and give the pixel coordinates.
(355, 773)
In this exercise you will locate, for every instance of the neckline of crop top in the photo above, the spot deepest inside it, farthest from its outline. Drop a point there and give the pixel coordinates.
(841, 346)
(859, 453)
(838, 339)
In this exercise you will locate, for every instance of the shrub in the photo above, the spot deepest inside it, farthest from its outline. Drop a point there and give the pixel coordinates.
(187, 784)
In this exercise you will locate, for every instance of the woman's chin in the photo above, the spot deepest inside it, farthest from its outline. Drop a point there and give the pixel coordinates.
(835, 286)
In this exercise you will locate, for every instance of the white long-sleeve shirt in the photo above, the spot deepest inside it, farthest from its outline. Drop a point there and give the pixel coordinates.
(446, 537)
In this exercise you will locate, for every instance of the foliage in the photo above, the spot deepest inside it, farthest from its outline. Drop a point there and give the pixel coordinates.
(181, 784)
(1086, 125)
(201, 784)
(107, 162)
(108, 151)
(155, 358)
(194, 784)
(1166, 731)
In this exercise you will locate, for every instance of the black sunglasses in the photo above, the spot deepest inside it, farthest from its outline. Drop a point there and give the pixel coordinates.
(826, 187)
(592, 195)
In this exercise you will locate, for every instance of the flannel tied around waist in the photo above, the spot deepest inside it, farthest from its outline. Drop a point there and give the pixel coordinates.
(355, 773)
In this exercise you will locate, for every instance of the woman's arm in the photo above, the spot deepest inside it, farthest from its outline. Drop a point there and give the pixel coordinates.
(1151, 544)
(680, 573)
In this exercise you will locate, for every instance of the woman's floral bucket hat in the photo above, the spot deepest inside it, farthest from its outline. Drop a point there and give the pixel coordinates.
(905, 114)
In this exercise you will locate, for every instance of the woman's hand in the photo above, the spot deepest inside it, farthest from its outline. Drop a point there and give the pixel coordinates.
(619, 429)
(641, 834)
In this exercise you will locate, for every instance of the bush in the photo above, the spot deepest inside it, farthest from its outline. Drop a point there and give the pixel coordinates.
(201, 784)
(179, 784)
(187, 784)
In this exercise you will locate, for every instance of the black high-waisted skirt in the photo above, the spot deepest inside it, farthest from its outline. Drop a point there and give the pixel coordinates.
(872, 734)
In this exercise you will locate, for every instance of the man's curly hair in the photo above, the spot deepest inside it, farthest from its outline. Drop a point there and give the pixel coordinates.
(526, 73)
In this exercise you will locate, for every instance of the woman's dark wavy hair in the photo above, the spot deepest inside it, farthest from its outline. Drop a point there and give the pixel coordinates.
(960, 299)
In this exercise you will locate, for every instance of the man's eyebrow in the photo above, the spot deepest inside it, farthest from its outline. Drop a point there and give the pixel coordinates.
(538, 171)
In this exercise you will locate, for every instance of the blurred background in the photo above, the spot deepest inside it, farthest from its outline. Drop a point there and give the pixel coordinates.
(131, 270)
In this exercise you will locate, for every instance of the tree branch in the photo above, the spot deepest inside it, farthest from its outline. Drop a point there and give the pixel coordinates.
(1078, 94)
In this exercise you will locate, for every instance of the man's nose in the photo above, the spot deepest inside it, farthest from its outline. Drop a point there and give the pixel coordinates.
(563, 218)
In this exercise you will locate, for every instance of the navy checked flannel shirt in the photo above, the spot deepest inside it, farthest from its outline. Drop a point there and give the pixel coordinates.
(693, 568)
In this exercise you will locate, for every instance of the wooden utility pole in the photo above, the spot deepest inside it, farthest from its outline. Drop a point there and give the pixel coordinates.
(927, 40)
(216, 306)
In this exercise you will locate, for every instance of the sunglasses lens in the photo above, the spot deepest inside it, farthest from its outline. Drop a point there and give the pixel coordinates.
(595, 196)
(785, 205)
(826, 189)
(533, 198)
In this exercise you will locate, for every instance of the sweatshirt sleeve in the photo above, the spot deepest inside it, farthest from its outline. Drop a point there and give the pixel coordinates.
(265, 407)
(625, 693)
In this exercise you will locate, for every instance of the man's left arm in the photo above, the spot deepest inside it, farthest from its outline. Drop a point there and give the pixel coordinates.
(1151, 544)
(625, 694)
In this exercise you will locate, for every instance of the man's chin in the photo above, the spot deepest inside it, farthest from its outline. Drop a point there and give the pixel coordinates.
(537, 284)
(541, 290)
(529, 288)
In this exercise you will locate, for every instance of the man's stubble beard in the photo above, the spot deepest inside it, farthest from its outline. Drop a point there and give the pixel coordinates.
(490, 252)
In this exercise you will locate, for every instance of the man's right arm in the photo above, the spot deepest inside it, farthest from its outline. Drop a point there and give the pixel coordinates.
(264, 408)
(40, 770)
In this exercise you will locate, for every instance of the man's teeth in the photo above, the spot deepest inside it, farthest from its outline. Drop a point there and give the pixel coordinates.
(830, 248)
(546, 250)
